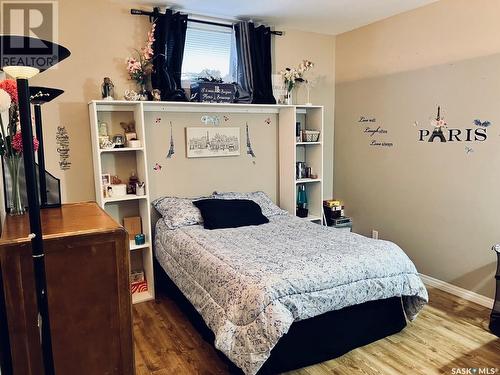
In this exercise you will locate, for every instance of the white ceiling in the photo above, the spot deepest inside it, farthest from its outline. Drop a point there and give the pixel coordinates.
(323, 16)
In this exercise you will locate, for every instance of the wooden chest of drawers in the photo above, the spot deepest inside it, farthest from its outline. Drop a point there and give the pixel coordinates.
(87, 268)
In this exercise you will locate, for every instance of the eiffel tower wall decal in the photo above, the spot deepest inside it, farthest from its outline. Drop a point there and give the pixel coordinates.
(249, 144)
(438, 124)
(171, 150)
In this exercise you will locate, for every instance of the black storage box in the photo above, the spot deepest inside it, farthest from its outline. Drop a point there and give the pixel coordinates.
(213, 92)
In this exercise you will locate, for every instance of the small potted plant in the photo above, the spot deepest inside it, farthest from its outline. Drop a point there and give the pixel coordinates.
(292, 76)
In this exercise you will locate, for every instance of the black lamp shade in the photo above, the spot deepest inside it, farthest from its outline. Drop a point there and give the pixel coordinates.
(16, 50)
(41, 95)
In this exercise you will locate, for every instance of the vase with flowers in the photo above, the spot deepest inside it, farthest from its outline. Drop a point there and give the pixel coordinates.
(139, 68)
(11, 144)
(293, 76)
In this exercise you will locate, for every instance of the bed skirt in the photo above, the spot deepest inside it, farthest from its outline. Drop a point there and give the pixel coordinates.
(312, 340)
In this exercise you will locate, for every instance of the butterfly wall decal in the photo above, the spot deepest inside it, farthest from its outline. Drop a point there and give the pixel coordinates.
(158, 120)
(268, 121)
(226, 118)
(157, 167)
(468, 150)
(483, 124)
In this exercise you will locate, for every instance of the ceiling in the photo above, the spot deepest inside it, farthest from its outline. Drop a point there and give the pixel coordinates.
(322, 16)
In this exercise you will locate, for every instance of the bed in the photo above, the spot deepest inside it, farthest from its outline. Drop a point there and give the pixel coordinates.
(254, 284)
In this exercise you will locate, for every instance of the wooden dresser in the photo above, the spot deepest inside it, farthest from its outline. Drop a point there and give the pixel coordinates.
(87, 267)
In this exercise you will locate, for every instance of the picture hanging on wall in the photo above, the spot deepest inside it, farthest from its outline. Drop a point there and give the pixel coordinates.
(212, 142)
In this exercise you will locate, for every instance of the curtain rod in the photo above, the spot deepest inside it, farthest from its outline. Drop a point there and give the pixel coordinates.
(138, 12)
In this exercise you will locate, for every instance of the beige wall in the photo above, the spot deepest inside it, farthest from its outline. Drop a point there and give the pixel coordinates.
(440, 33)
(100, 35)
(437, 202)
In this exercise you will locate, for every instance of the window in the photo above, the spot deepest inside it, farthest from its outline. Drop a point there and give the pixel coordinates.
(207, 47)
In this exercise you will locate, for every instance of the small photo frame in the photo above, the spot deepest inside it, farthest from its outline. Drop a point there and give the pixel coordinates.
(106, 179)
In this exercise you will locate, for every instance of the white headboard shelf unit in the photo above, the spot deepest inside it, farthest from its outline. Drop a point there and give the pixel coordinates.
(283, 147)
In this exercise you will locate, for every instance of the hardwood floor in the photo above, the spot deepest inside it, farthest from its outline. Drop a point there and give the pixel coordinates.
(449, 333)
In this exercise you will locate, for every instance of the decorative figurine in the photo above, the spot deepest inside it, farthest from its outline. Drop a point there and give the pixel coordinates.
(140, 188)
(103, 129)
(132, 183)
(108, 89)
(131, 95)
(130, 133)
(115, 180)
(119, 141)
(156, 95)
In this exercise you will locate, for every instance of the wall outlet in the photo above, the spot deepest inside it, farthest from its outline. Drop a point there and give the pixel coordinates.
(375, 234)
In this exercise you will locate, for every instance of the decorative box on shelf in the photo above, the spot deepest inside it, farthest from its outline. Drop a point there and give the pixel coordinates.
(213, 92)
(137, 276)
(139, 286)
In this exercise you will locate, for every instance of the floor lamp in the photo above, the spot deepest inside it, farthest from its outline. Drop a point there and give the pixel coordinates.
(22, 58)
(38, 97)
(495, 311)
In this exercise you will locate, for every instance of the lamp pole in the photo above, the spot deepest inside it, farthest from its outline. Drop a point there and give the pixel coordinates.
(41, 157)
(35, 224)
(495, 311)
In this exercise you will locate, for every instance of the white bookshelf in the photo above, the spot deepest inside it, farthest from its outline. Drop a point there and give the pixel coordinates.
(291, 151)
(121, 162)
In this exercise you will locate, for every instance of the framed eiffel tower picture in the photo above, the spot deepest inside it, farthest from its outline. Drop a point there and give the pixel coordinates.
(212, 142)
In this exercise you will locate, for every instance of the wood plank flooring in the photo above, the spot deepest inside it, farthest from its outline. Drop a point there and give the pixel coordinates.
(449, 333)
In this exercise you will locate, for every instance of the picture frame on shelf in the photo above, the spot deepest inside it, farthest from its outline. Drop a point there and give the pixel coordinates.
(105, 179)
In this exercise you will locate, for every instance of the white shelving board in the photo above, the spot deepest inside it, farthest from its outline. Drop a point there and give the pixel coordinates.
(291, 151)
(121, 162)
(116, 161)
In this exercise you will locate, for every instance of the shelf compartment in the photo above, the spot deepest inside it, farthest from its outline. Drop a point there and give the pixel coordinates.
(307, 143)
(142, 297)
(124, 198)
(313, 218)
(133, 246)
(307, 180)
(123, 149)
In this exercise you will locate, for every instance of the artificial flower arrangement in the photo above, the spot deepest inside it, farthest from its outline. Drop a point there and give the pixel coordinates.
(140, 68)
(11, 144)
(292, 76)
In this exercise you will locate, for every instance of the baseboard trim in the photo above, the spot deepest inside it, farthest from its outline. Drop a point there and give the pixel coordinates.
(457, 291)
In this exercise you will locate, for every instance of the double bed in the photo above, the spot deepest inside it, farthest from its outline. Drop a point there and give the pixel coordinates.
(266, 290)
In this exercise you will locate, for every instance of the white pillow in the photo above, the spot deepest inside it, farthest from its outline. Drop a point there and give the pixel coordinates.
(178, 212)
(266, 204)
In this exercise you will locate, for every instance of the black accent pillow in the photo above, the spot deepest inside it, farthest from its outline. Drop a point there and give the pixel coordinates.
(230, 213)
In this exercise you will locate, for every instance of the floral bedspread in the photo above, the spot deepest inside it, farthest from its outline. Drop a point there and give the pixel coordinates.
(251, 283)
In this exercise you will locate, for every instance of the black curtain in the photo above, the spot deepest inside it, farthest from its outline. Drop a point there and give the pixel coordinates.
(254, 65)
(170, 38)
